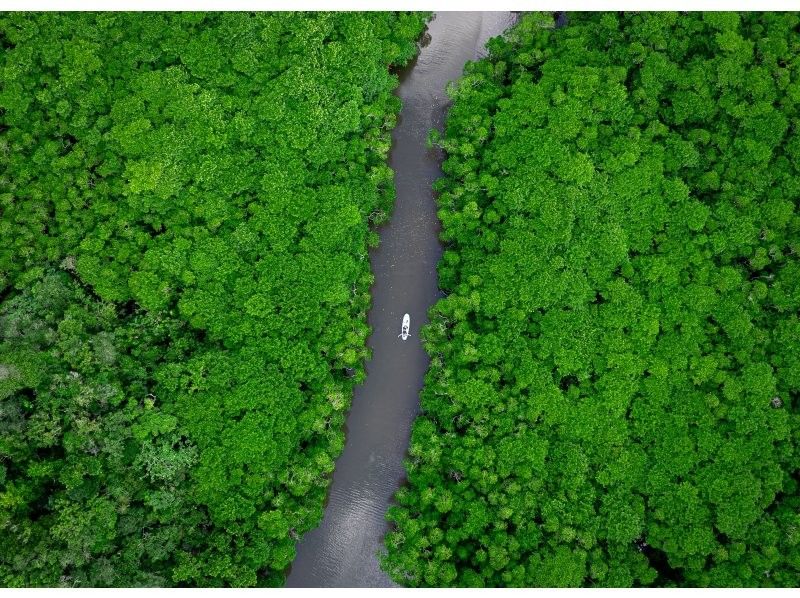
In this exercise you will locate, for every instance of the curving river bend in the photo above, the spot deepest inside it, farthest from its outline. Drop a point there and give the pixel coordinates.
(343, 550)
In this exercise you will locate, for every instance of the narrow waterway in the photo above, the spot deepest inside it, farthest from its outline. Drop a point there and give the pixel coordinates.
(343, 550)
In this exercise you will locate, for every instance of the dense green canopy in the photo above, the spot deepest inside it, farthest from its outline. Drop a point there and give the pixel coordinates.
(614, 389)
(185, 203)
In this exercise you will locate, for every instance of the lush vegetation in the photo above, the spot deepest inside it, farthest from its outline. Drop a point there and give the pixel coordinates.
(613, 395)
(185, 209)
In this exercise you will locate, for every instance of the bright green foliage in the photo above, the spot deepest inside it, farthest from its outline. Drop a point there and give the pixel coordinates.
(185, 208)
(613, 395)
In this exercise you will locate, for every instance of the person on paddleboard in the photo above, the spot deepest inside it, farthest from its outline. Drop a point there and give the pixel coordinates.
(404, 330)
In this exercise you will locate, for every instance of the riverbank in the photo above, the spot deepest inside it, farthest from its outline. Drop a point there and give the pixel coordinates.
(343, 550)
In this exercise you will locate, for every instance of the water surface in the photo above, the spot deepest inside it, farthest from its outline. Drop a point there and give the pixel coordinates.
(343, 550)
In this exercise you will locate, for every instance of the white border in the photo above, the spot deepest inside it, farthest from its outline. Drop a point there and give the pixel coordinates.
(424, 5)
(405, 592)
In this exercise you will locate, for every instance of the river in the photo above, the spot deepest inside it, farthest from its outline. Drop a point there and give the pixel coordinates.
(343, 550)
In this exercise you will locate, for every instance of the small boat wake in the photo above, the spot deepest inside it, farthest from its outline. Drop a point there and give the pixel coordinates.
(404, 330)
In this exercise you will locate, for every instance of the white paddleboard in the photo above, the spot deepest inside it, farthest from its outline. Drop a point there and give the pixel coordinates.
(405, 328)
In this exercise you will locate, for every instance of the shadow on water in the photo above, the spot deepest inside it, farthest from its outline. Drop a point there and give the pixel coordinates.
(343, 551)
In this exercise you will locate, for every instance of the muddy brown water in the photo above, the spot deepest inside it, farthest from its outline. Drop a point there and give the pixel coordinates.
(343, 551)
